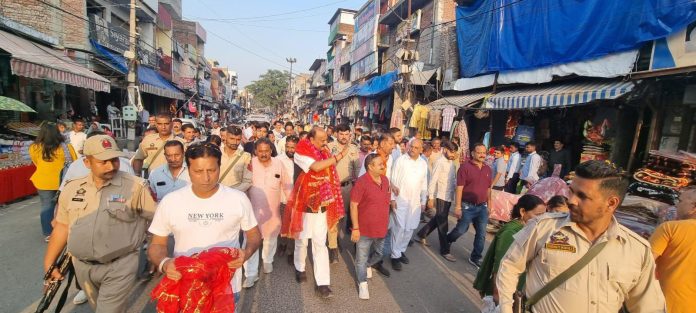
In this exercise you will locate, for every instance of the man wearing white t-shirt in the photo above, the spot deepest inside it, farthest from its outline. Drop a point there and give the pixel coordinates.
(78, 136)
(203, 215)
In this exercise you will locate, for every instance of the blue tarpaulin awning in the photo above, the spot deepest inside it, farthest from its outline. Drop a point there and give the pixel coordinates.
(149, 80)
(378, 85)
(558, 95)
(346, 93)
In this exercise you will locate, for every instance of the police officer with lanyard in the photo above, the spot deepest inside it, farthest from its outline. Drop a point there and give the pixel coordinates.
(102, 217)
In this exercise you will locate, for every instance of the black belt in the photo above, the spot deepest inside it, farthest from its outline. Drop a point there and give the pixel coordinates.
(321, 209)
(346, 183)
(92, 262)
(472, 204)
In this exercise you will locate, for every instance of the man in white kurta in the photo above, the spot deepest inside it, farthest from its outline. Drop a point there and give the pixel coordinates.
(410, 177)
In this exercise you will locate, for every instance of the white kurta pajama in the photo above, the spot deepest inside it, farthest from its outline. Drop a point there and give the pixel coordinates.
(411, 178)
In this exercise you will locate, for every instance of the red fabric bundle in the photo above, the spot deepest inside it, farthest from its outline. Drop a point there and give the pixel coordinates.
(203, 287)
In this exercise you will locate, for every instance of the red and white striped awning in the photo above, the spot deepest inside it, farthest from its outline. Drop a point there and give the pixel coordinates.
(36, 61)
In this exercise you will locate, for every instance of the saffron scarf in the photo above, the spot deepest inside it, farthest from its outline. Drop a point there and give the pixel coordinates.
(313, 190)
(203, 287)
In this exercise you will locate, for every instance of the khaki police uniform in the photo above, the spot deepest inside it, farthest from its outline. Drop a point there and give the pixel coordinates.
(239, 177)
(621, 273)
(347, 170)
(106, 229)
(148, 148)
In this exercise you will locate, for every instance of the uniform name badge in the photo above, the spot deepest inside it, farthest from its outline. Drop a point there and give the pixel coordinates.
(117, 198)
(559, 241)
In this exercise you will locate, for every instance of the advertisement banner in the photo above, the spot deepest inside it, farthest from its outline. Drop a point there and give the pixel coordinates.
(363, 58)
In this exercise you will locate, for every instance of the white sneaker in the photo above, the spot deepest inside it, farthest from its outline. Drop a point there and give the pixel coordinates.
(369, 272)
(249, 282)
(80, 297)
(363, 293)
(267, 267)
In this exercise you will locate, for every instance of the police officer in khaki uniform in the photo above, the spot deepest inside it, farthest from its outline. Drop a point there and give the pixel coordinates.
(102, 218)
(622, 272)
(150, 154)
(348, 168)
(234, 171)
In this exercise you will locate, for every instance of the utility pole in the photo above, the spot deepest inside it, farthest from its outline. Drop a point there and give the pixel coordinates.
(131, 56)
(134, 105)
(291, 61)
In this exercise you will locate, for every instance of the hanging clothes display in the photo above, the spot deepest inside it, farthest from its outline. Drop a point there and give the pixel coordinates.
(462, 132)
(419, 120)
(448, 115)
(434, 117)
(397, 119)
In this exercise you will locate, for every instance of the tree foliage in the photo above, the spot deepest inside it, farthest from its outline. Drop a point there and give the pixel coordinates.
(270, 89)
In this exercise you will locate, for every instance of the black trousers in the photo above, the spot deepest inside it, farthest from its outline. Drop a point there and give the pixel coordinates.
(439, 222)
(511, 185)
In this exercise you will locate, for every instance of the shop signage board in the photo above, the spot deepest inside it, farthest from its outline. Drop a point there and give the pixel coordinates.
(364, 47)
(675, 51)
(108, 35)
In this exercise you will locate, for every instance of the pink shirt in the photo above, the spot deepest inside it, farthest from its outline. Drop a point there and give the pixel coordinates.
(267, 183)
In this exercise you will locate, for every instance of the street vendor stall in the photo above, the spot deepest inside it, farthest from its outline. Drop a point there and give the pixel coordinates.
(15, 164)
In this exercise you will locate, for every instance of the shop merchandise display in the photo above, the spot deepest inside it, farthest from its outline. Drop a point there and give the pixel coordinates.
(14, 151)
(670, 170)
(26, 128)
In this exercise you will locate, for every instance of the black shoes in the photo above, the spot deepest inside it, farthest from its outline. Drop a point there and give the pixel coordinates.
(333, 256)
(324, 292)
(396, 264)
(404, 259)
(300, 276)
(381, 269)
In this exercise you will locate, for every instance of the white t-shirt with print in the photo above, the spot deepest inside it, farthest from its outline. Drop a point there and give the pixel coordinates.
(199, 224)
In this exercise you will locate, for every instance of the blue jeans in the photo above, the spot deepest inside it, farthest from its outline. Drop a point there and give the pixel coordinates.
(471, 214)
(363, 257)
(48, 205)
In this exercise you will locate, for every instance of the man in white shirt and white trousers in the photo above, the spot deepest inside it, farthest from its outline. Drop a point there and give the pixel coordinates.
(410, 177)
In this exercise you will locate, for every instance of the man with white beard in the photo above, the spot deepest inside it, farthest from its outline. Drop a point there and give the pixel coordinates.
(410, 177)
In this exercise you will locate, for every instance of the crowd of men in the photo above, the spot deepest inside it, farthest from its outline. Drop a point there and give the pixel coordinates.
(269, 191)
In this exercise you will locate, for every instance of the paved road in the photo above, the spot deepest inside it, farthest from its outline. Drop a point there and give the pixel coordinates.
(428, 284)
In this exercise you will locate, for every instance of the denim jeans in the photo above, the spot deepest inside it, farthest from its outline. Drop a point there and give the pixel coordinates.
(48, 205)
(368, 253)
(471, 214)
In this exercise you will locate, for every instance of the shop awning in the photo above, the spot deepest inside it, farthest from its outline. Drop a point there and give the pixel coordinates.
(36, 61)
(346, 93)
(149, 80)
(461, 101)
(558, 95)
(378, 85)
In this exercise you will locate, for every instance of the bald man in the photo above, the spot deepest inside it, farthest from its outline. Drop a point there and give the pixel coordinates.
(410, 177)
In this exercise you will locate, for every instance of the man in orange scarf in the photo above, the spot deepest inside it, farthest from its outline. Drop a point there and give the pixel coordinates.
(314, 207)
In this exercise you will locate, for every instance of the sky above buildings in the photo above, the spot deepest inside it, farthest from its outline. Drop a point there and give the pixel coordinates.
(251, 37)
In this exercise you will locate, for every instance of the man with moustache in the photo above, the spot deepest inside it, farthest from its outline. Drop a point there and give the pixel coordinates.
(269, 181)
(287, 158)
(348, 169)
(102, 218)
(172, 176)
(621, 270)
(150, 153)
(314, 207)
(202, 215)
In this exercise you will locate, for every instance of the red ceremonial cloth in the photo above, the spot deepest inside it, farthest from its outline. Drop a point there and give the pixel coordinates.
(204, 286)
(313, 190)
